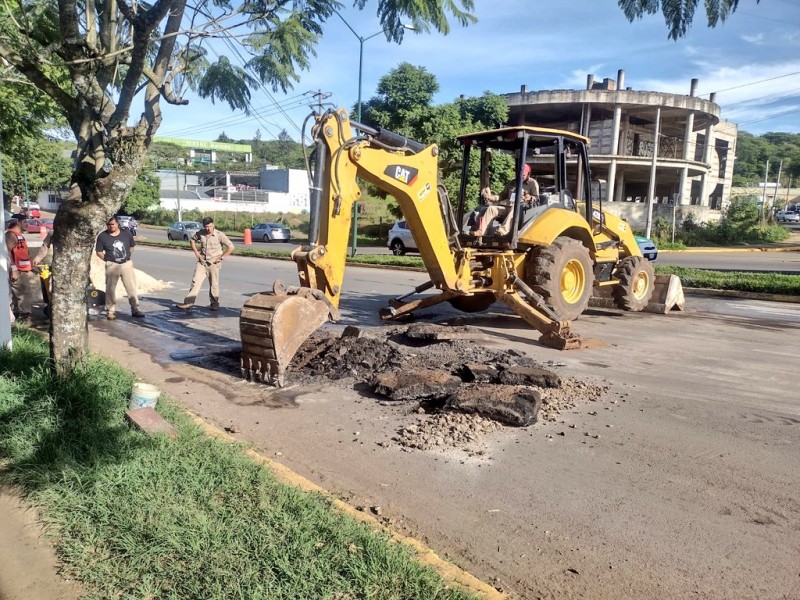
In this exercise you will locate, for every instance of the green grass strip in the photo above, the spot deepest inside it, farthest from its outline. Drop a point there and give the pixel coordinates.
(133, 516)
(763, 283)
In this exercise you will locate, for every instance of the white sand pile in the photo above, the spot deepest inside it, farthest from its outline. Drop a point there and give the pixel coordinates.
(145, 284)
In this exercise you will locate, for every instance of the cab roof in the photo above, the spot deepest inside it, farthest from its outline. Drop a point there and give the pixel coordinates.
(509, 134)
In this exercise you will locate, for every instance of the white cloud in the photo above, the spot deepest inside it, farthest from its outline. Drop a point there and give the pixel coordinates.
(757, 39)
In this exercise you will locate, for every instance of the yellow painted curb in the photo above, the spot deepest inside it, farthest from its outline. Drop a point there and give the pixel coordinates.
(448, 571)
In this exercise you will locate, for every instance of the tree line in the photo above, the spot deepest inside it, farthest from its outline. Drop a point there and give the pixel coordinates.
(782, 150)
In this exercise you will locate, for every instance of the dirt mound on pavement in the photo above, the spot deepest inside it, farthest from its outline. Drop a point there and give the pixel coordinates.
(463, 388)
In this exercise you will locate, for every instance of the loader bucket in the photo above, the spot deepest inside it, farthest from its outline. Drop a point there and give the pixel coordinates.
(274, 325)
(668, 294)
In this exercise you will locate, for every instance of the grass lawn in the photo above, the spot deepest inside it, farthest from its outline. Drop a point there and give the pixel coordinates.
(138, 517)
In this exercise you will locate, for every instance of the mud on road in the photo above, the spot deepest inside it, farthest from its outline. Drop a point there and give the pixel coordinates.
(459, 388)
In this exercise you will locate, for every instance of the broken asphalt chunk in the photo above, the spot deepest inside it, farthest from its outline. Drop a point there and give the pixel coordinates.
(517, 406)
(415, 384)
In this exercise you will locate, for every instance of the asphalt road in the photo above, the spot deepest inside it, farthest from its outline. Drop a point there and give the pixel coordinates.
(682, 482)
(784, 262)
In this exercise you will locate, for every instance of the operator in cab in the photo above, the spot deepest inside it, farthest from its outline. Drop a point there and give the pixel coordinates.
(497, 206)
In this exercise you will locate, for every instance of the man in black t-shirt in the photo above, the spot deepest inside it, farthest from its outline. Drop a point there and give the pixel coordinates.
(115, 245)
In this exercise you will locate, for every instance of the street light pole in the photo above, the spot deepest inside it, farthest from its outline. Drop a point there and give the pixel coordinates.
(361, 40)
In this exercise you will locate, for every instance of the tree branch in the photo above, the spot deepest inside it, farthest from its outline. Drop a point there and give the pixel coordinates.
(40, 80)
(164, 88)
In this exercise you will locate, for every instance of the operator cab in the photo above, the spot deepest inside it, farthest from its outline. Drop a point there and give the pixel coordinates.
(497, 202)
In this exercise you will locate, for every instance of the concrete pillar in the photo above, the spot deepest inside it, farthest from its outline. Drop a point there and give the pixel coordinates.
(684, 196)
(621, 79)
(651, 190)
(612, 168)
(709, 179)
(213, 157)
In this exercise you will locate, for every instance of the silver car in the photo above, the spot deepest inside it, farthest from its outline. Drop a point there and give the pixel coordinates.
(271, 232)
(183, 230)
(788, 216)
(400, 239)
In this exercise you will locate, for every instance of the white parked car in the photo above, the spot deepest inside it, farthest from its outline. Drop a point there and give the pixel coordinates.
(400, 239)
(787, 216)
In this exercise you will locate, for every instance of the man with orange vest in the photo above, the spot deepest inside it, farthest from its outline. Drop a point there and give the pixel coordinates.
(20, 270)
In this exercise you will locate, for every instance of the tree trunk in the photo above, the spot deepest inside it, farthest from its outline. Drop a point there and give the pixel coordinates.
(80, 218)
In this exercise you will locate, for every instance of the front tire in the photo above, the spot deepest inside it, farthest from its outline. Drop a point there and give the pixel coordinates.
(562, 273)
(185, 238)
(169, 236)
(636, 283)
(266, 239)
(398, 248)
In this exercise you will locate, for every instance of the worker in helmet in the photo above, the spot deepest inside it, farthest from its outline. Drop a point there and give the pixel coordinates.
(498, 206)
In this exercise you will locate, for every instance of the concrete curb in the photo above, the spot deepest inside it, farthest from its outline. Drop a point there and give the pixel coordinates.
(446, 570)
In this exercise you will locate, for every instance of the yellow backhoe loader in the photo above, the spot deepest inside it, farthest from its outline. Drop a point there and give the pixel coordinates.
(543, 257)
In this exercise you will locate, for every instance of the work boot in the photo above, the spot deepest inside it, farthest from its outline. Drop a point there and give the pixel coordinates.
(137, 314)
(184, 306)
(214, 307)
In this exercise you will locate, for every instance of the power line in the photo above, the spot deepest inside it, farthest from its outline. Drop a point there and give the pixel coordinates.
(736, 87)
(240, 118)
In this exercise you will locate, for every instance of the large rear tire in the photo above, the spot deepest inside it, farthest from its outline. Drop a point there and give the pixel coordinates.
(562, 273)
(636, 283)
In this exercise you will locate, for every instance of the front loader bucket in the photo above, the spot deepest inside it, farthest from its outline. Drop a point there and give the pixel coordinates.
(273, 327)
(668, 294)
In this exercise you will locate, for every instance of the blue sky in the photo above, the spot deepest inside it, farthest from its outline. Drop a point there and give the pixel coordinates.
(752, 62)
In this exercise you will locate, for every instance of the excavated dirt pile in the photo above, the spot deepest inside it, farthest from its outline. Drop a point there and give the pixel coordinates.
(463, 387)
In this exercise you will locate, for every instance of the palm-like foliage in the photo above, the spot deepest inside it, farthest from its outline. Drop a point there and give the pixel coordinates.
(678, 14)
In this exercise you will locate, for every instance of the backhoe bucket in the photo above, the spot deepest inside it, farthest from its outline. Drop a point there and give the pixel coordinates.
(668, 294)
(274, 326)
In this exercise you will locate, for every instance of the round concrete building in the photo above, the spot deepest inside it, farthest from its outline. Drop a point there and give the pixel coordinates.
(688, 170)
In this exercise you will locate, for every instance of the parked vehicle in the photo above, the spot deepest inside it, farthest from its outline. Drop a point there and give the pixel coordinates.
(183, 230)
(129, 223)
(39, 225)
(271, 232)
(787, 216)
(648, 247)
(32, 212)
(400, 239)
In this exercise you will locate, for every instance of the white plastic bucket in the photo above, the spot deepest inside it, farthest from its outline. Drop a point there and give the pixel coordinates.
(144, 395)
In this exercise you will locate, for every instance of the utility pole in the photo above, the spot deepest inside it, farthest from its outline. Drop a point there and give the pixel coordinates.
(178, 188)
(777, 183)
(319, 96)
(764, 195)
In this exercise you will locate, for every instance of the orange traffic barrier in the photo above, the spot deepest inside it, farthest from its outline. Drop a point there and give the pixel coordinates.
(248, 237)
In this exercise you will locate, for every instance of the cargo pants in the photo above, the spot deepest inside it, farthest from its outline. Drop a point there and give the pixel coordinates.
(202, 270)
(115, 272)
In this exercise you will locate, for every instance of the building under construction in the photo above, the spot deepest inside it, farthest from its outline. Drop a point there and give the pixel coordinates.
(671, 148)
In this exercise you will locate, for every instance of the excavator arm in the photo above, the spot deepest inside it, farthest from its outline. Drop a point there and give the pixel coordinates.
(274, 325)
(402, 168)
